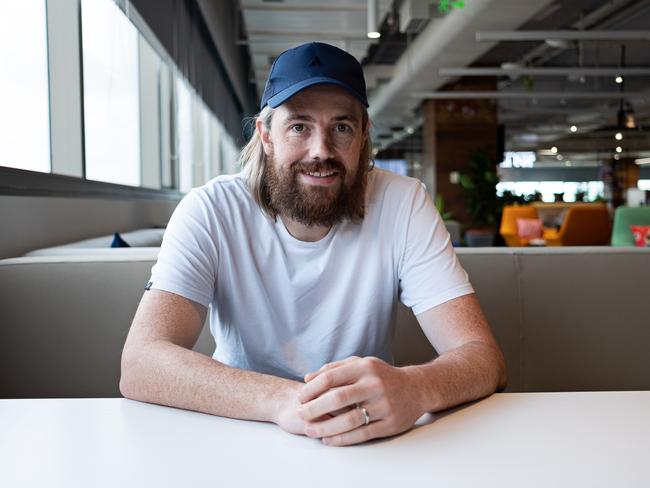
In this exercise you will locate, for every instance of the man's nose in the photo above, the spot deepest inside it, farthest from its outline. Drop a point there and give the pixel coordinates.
(321, 146)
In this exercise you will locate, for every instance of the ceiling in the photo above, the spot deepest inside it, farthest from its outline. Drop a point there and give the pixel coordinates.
(402, 68)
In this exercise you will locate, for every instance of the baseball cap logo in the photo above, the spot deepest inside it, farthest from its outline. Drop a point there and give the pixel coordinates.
(316, 62)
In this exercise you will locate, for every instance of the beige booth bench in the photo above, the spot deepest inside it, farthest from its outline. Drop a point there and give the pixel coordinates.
(566, 318)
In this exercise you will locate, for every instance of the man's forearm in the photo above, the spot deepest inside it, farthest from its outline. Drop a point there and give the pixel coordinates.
(471, 371)
(167, 374)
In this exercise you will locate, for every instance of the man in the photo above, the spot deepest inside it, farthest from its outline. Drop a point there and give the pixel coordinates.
(301, 259)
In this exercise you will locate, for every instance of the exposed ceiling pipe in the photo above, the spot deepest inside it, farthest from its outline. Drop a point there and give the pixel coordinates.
(568, 71)
(301, 7)
(423, 51)
(566, 35)
(603, 17)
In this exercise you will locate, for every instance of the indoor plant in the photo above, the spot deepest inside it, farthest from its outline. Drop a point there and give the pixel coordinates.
(479, 184)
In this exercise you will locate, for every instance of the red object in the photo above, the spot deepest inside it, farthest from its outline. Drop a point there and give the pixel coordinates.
(529, 228)
(641, 235)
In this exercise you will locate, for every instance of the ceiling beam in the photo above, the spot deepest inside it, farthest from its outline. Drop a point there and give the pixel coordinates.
(451, 95)
(300, 7)
(271, 35)
(555, 71)
(566, 35)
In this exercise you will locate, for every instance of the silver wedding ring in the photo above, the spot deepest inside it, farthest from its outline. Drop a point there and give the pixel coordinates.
(366, 415)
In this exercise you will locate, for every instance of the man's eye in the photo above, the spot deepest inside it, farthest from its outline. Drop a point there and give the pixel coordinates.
(343, 128)
(298, 128)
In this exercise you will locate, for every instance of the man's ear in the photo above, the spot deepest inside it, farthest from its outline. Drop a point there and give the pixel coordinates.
(366, 131)
(263, 133)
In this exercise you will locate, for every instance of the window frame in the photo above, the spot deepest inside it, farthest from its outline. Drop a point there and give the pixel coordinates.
(71, 181)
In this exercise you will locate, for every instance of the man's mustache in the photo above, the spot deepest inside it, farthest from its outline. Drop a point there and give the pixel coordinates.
(320, 166)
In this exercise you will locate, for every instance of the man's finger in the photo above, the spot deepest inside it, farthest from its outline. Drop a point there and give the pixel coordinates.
(328, 366)
(371, 431)
(346, 422)
(333, 400)
(341, 376)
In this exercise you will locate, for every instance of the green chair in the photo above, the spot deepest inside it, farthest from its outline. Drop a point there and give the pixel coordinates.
(624, 217)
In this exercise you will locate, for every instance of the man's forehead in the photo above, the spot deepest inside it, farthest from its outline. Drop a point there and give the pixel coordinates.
(323, 98)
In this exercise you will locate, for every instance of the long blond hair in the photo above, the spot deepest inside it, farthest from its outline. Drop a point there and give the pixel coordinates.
(252, 159)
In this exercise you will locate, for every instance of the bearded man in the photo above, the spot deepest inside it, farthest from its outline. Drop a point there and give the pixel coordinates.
(302, 258)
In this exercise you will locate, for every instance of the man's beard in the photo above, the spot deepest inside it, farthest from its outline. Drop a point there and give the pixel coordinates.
(314, 205)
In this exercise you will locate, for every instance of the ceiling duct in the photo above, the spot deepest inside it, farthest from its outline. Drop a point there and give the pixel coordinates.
(413, 16)
(373, 19)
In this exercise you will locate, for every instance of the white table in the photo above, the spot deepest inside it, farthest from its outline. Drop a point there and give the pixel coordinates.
(508, 440)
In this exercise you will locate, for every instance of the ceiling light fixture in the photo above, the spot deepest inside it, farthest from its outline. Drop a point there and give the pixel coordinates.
(373, 15)
(619, 149)
(641, 161)
(618, 136)
(574, 128)
(554, 150)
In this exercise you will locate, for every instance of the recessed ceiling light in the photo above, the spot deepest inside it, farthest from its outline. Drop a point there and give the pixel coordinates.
(573, 128)
(618, 136)
(374, 35)
(554, 150)
(619, 79)
(619, 149)
(559, 157)
(617, 157)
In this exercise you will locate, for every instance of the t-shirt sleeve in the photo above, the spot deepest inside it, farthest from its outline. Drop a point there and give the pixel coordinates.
(188, 258)
(429, 271)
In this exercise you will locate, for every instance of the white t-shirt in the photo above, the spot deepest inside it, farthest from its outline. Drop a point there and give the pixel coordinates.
(285, 307)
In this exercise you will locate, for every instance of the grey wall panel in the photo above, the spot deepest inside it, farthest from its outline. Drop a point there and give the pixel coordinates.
(30, 223)
(586, 321)
(63, 332)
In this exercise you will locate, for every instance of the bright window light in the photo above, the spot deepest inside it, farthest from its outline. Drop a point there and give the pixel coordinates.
(185, 138)
(24, 97)
(548, 189)
(518, 159)
(111, 99)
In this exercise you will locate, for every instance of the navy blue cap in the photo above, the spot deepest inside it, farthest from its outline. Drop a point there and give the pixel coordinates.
(312, 64)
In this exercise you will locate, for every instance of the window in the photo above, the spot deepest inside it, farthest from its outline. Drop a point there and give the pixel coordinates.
(591, 190)
(184, 132)
(150, 116)
(111, 101)
(399, 166)
(215, 147)
(24, 98)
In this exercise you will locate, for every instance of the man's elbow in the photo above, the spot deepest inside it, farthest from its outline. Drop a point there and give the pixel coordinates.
(502, 372)
(128, 374)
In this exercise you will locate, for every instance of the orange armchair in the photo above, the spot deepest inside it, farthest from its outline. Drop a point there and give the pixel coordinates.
(582, 226)
(508, 228)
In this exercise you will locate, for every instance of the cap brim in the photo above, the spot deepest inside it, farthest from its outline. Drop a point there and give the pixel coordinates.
(281, 97)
